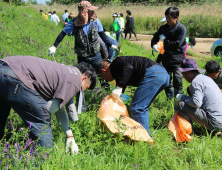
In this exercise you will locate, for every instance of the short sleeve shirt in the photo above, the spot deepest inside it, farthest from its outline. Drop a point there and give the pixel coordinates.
(50, 79)
(69, 27)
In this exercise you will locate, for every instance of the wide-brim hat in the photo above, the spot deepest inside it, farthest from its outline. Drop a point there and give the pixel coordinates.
(87, 4)
(72, 14)
(188, 65)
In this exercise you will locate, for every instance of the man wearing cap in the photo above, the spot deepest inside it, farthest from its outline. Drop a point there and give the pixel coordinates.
(85, 28)
(117, 26)
(36, 93)
(173, 36)
(64, 16)
(205, 105)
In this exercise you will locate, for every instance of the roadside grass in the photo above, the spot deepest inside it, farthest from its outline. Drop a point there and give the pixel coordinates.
(25, 32)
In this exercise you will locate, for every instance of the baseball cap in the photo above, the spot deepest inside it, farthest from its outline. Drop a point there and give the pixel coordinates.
(87, 4)
(188, 65)
(115, 15)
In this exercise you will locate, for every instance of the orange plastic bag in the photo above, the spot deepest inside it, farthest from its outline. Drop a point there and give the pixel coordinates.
(114, 115)
(180, 128)
(161, 49)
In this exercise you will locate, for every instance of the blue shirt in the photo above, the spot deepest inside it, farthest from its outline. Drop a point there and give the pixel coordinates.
(69, 27)
(64, 16)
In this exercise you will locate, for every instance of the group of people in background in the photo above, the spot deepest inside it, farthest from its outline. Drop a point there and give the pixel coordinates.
(52, 16)
(120, 27)
(36, 93)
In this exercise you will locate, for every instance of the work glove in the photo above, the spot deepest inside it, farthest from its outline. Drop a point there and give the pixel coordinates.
(162, 37)
(156, 47)
(179, 97)
(52, 50)
(114, 47)
(117, 92)
(70, 143)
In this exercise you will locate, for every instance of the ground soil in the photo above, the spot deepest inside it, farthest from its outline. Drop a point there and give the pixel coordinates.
(201, 48)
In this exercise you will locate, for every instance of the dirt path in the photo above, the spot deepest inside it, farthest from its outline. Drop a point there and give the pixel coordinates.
(202, 46)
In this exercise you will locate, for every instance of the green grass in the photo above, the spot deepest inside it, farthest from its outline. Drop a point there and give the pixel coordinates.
(24, 32)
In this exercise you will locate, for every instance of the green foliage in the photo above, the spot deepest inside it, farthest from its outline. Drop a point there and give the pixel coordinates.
(25, 32)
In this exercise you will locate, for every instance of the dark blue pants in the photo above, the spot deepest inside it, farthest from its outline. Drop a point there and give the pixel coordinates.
(153, 82)
(30, 106)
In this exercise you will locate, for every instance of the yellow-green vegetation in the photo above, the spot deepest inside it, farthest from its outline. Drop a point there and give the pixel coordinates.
(200, 20)
(24, 32)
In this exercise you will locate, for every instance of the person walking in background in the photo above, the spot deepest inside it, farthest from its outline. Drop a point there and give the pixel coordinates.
(129, 27)
(173, 36)
(55, 18)
(64, 16)
(43, 14)
(189, 41)
(71, 16)
(117, 26)
(49, 16)
(122, 21)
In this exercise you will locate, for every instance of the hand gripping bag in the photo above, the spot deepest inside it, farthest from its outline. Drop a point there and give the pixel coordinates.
(113, 113)
(180, 128)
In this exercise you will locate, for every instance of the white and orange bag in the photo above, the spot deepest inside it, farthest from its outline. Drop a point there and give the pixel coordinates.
(114, 115)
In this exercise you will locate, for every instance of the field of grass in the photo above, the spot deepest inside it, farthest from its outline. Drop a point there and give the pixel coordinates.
(200, 20)
(24, 32)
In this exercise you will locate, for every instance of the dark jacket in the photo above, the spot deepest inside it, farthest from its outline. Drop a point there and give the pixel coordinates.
(175, 38)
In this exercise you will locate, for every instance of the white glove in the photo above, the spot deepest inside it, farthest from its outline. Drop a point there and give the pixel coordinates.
(179, 97)
(114, 47)
(162, 37)
(155, 48)
(117, 92)
(70, 143)
(52, 50)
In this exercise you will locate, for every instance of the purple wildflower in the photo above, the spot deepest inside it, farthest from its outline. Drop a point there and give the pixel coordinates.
(7, 54)
(30, 125)
(12, 128)
(6, 167)
(20, 129)
(27, 144)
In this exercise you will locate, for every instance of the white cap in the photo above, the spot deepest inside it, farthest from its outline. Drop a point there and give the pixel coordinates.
(163, 19)
(114, 15)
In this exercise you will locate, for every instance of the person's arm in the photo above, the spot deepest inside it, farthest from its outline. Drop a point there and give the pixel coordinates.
(180, 37)
(58, 19)
(196, 100)
(71, 110)
(103, 49)
(59, 38)
(118, 22)
(156, 38)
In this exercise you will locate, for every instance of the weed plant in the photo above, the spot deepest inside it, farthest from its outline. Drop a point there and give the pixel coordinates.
(25, 32)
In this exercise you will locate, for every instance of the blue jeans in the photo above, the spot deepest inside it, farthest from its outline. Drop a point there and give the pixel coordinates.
(153, 82)
(112, 52)
(118, 33)
(92, 60)
(30, 106)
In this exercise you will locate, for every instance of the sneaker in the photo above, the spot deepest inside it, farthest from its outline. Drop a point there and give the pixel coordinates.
(129, 38)
(137, 39)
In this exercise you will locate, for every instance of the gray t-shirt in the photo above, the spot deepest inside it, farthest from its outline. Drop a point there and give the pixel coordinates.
(207, 96)
(50, 79)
